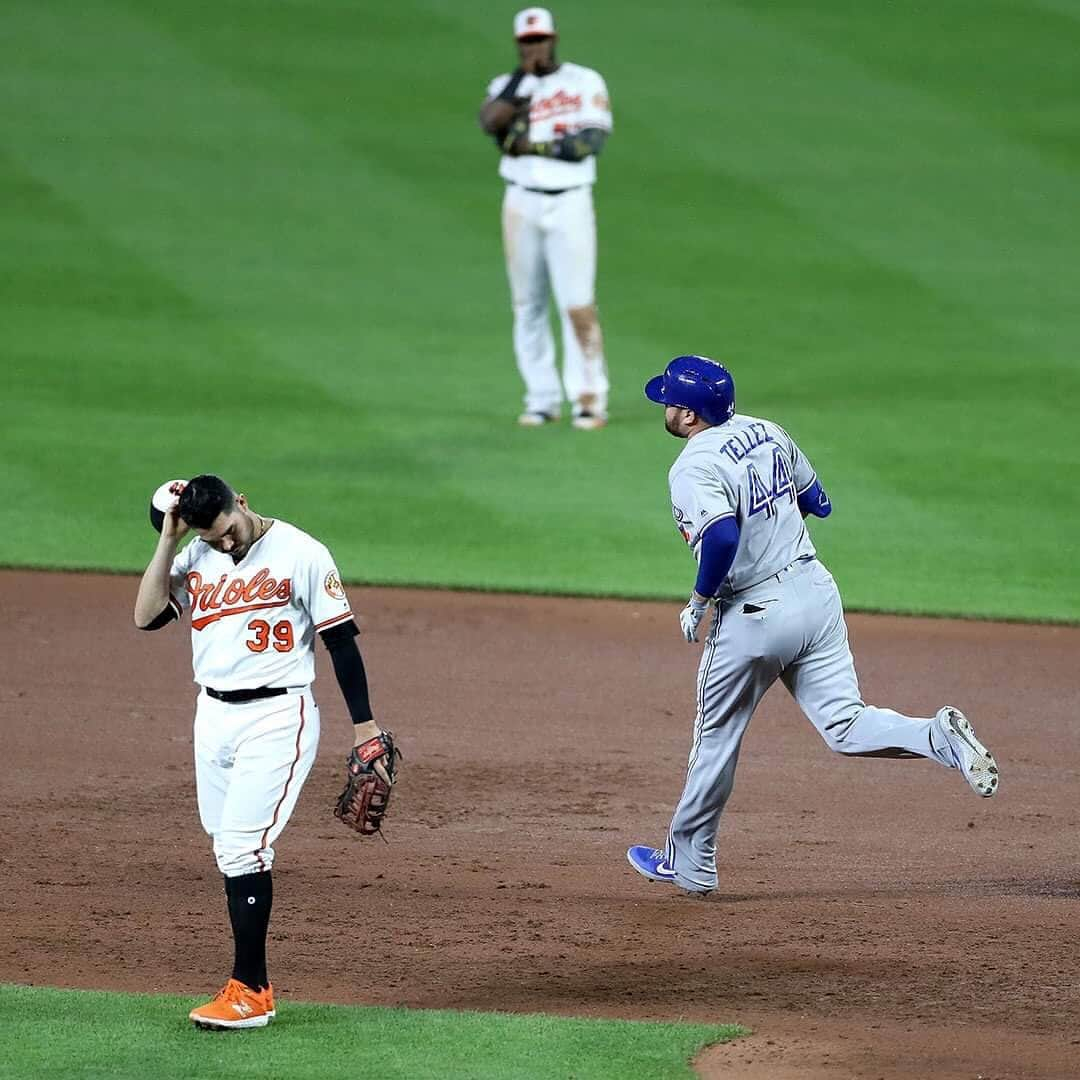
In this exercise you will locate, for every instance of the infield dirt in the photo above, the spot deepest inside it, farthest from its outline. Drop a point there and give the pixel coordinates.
(875, 918)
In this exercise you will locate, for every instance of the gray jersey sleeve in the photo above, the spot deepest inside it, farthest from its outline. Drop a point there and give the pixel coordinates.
(700, 495)
(802, 472)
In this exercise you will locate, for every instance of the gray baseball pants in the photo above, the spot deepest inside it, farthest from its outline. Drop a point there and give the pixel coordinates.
(790, 627)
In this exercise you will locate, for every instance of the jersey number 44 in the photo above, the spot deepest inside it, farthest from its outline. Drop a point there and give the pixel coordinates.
(764, 496)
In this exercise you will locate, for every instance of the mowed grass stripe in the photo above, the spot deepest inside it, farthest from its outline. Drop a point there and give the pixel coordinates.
(898, 174)
(332, 228)
(89, 1035)
(1010, 64)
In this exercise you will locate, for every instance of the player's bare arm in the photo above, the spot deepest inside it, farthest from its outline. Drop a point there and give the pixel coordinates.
(152, 601)
(497, 113)
(536, 56)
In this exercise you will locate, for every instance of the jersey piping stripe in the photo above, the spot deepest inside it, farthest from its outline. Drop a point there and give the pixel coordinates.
(206, 620)
(699, 727)
(333, 621)
(176, 606)
(813, 480)
(699, 720)
(288, 781)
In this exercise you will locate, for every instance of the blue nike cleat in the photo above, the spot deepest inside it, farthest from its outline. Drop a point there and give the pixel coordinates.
(650, 862)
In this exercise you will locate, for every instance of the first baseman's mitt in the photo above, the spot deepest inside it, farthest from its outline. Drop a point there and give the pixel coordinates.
(362, 805)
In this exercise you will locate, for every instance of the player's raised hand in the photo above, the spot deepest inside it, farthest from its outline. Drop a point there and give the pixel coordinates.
(173, 526)
(690, 617)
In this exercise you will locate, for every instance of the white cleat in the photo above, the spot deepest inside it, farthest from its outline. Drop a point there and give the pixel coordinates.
(972, 758)
(536, 418)
(587, 421)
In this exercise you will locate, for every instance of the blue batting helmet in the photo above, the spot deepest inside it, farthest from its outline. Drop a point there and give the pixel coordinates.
(698, 383)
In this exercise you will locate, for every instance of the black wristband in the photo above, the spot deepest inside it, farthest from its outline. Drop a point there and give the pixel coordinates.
(508, 92)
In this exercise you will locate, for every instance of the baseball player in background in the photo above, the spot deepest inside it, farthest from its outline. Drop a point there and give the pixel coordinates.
(259, 591)
(550, 120)
(740, 491)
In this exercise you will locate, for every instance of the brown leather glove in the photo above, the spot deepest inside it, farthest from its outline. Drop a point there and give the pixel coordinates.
(370, 776)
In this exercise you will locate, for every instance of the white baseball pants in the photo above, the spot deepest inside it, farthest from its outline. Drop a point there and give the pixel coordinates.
(798, 635)
(251, 761)
(550, 247)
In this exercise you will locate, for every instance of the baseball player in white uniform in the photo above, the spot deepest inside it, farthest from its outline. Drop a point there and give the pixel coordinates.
(550, 120)
(740, 492)
(258, 592)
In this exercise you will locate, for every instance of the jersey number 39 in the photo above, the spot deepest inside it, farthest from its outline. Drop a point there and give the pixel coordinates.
(282, 636)
(764, 496)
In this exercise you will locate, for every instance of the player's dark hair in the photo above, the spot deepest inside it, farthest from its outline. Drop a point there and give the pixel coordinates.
(203, 499)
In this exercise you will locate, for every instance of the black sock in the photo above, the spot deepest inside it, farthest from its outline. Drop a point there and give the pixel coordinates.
(250, 899)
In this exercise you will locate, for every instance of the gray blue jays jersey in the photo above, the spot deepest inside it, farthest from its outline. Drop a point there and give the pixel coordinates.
(749, 469)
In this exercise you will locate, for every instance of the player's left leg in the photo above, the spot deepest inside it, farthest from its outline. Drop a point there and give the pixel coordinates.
(823, 681)
(570, 250)
(275, 745)
(273, 759)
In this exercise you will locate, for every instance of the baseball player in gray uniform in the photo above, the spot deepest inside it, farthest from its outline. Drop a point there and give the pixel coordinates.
(740, 491)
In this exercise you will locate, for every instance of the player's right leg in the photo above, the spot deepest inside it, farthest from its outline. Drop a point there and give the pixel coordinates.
(735, 671)
(822, 680)
(254, 760)
(534, 345)
(214, 755)
(570, 247)
(272, 761)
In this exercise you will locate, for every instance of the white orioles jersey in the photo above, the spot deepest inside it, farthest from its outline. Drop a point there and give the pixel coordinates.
(253, 623)
(562, 103)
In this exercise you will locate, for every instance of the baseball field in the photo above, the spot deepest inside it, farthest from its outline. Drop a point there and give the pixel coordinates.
(262, 240)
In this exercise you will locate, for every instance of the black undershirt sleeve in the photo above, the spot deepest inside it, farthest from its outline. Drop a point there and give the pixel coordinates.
(509, 92)
(340, 642)
(168, 614)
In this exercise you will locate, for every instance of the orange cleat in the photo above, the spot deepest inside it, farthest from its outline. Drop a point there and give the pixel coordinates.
(236, 1006)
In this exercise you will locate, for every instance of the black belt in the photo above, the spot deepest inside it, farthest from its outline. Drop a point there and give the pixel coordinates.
(549, 191)
(238, 697)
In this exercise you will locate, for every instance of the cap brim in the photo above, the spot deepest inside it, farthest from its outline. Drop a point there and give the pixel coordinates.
(535, 33)
(654, 390)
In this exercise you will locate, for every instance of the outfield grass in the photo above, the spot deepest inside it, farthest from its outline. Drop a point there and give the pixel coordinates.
(262, 239)
(86, 1036)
